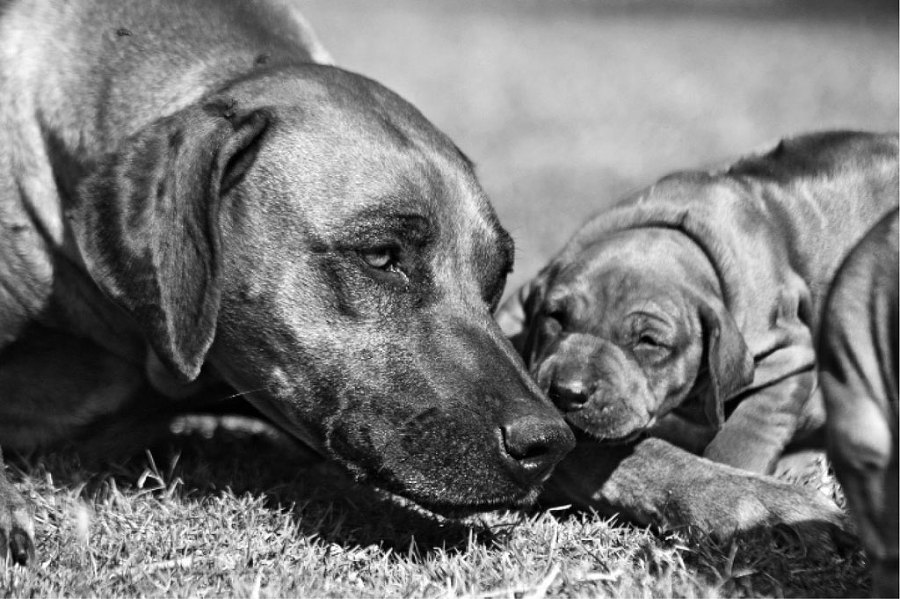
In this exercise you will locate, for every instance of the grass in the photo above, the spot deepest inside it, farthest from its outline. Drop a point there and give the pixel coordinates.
(250, 516)
(564, 106)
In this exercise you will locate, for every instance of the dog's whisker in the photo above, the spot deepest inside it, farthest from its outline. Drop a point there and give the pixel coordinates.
(244, 393)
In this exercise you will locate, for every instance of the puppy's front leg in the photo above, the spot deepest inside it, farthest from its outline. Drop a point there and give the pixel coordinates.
(16, 527)
(763, 424)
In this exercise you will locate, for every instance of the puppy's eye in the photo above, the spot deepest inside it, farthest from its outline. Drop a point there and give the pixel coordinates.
(648, 341)
(650, 347)
(556, 318)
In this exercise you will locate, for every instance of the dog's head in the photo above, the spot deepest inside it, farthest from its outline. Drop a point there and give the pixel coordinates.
(312, 238)
(628, 329)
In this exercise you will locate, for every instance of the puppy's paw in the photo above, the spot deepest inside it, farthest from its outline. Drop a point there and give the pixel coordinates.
(16, 526)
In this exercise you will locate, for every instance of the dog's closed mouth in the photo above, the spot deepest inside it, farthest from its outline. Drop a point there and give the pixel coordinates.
(460, 511)
(456, 508)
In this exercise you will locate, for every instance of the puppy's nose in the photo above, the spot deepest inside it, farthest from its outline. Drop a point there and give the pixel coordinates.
(569, 394)
(535, 444)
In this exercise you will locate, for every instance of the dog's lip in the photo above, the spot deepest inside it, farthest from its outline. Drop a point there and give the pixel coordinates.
(439, 498)
(461, 508)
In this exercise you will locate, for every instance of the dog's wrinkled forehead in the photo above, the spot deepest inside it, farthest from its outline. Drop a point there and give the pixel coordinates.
(349, 157)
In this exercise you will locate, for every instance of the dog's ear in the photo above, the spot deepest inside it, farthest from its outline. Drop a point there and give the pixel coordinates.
(729, 362)
(146, 221)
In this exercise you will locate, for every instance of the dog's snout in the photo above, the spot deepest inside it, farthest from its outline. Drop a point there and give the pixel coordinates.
(569, 394)
(535, 444)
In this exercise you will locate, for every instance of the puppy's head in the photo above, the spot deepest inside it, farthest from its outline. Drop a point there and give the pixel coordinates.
(327, 251)
(628, 330)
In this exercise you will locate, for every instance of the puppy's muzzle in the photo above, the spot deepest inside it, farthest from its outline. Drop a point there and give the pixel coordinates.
(595, 386)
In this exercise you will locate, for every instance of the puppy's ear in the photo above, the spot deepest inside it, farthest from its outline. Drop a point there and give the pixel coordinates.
(729, 362)
(146, 220)
(512, 315)
(516, 315)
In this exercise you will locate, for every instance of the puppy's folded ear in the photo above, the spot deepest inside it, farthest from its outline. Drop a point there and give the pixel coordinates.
(729, 361)
(516, 315)
(146, 221)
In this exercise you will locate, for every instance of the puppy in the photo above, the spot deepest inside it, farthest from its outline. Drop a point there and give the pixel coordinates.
(688, 313)
(692, 305)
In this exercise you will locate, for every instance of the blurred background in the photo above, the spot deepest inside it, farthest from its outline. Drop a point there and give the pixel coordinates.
(565, 105)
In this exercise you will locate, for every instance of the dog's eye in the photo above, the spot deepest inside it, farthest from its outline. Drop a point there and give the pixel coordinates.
(378, 259)
(382, 259)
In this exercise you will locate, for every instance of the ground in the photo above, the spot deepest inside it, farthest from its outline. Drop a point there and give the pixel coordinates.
(251, 515)
(564, 106)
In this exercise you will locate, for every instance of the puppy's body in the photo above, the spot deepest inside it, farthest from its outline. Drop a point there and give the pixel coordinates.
(858, 362)
(186, 197)
(688, 311)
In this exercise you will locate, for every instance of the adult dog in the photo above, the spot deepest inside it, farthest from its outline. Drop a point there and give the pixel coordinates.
(185, 197)
(858, 365)
(688, 312)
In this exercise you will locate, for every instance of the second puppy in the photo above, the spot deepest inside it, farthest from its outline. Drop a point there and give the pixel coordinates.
(688, 312)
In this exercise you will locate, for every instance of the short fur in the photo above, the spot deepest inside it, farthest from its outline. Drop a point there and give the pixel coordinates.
(187, 197)
(688, 311)
(858, 368)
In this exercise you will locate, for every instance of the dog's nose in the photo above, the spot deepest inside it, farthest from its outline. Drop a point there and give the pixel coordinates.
(569, 394)
(535, 445)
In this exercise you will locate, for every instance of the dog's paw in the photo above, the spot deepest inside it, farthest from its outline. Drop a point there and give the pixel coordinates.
(744, 503)
(655, 483)
(16, 526)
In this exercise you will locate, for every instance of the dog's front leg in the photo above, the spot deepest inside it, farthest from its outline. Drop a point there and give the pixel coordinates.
(659, 484)
(763, 424)
(16, 526)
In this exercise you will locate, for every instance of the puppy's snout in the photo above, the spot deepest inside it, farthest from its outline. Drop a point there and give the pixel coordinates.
(569, 373)
(534, 445)
(569, 394)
